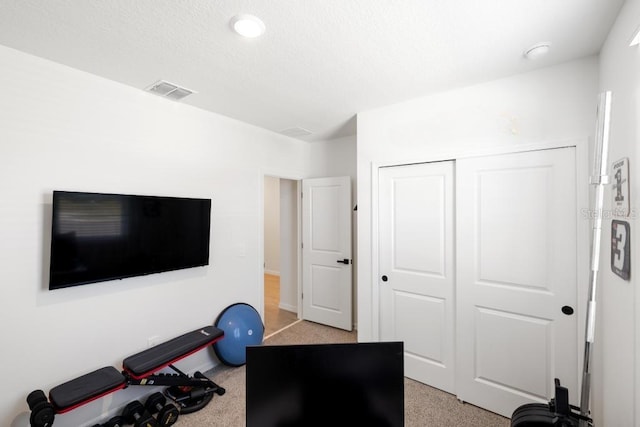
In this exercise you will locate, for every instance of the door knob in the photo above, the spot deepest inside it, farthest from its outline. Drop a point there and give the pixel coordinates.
(343, 261)
(568, 310)
(385, 278)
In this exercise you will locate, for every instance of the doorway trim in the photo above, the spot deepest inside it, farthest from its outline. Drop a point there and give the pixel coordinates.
(298, 264)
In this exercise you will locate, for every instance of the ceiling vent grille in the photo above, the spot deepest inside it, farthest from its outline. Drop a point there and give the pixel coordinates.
(296, 132)
(169, 90)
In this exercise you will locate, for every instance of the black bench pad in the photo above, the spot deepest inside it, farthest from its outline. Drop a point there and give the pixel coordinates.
(157, 357)
(86, 388)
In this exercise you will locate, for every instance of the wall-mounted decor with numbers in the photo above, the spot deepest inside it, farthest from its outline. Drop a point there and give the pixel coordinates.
(621, 248)
(620, 174)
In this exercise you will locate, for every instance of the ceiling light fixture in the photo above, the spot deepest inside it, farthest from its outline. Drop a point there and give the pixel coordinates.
(537, 51)
(296, 132)
(247, 25)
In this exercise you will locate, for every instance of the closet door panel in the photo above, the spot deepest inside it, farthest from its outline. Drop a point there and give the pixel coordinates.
(417, 280)
(516, 269)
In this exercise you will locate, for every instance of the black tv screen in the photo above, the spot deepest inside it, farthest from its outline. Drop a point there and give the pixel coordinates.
(346, 384)
(98, 237)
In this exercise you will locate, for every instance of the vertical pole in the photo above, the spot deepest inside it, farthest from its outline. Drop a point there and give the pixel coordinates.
(599, 179)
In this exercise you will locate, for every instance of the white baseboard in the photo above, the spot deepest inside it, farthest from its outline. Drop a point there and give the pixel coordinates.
(288, 307)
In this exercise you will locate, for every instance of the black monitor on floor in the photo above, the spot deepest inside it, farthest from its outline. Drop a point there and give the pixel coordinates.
(346, 384)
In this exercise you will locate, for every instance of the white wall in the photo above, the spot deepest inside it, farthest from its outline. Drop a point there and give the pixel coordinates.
(333, 157)
(552, 104)
(68, 130)
(616, 391)
(272, 225)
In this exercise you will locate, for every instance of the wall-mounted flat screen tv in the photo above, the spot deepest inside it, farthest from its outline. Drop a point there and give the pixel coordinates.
(307, 385)
(97, 237)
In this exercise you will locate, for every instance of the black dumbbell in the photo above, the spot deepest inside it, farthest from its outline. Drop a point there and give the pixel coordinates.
(116, 421)
(42, 412)
(167, 413)
(134, 413)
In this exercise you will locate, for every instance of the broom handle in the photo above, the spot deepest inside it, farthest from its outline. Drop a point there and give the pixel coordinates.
(599, 179)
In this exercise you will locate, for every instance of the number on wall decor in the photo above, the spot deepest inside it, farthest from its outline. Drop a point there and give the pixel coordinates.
(620, 239)
(620, 249)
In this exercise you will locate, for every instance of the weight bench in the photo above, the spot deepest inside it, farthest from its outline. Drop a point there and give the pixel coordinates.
(190, 392)
(86, 388)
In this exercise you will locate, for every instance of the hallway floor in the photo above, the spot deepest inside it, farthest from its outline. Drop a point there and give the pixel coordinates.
(275, 317)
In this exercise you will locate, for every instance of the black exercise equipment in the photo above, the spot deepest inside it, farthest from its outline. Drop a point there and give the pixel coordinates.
(167, 412)
(136, 414)
(116, 421)
(190, 399)
(42, 412)
(86, 388)
(138, 369)
(557, 413)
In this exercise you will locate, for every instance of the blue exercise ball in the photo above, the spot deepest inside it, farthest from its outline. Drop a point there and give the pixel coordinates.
(242, 327)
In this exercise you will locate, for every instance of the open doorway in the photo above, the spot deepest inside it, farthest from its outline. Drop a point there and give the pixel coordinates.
(281, 253)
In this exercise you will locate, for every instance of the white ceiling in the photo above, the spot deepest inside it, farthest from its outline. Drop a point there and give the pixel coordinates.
(319, 63)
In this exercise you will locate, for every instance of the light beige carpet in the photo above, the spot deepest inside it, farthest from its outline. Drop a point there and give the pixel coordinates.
(424, 406)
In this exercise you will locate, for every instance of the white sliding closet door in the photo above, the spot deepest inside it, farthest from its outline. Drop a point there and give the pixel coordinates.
(417, 268)
(516, 276)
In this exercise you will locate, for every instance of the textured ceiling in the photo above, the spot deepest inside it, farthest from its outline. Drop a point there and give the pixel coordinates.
(319, 63)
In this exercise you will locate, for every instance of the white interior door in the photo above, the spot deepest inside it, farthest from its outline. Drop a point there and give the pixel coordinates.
(417, 268)
(516, 270)
(326, 251)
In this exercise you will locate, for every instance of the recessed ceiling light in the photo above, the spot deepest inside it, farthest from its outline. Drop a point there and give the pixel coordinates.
(296, 132)
(247, 25)
(537, 51)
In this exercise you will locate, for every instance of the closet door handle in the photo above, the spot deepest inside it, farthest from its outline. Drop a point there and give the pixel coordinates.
(384, 278)
(568, 310)
(343, 261)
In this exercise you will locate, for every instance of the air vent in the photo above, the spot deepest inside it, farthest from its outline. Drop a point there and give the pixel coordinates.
(296, 132)
(169, 90)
